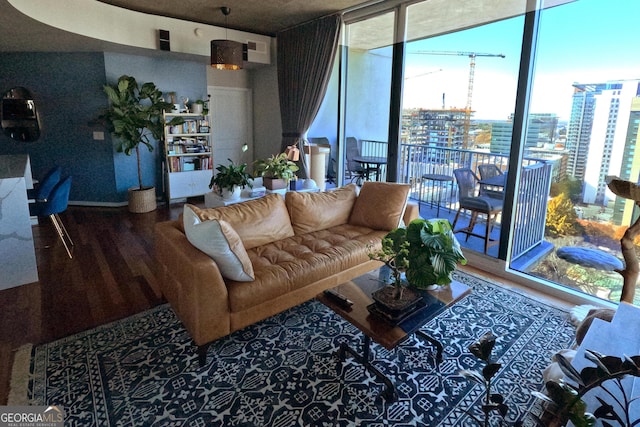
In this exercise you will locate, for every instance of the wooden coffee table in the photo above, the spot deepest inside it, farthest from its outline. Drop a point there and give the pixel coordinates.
(359, 291)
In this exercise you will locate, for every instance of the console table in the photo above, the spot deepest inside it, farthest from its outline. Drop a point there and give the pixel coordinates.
(16, 239)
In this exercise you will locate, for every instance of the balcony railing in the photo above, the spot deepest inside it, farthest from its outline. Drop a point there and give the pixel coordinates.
(535, 180)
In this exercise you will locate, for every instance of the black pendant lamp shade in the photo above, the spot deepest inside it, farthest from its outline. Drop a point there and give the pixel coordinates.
(226, 54)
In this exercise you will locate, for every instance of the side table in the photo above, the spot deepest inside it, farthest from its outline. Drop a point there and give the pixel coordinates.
(439, 180)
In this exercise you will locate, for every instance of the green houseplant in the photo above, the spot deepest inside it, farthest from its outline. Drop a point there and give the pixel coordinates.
(134, 117)
(434, 253)
(200, 106)
(394, 251)
(426, 252)
(615, 406)
(230, 180)
(277, 167)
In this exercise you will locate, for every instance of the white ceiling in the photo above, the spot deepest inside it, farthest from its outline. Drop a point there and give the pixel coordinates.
(23, 34)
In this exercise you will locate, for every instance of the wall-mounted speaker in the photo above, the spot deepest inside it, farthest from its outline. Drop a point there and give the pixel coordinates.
(163, 38)
(245, 52)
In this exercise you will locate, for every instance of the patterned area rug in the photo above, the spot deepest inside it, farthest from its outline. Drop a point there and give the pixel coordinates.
(283, 372)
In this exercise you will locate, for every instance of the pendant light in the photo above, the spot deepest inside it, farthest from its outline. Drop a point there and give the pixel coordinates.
(226, 54)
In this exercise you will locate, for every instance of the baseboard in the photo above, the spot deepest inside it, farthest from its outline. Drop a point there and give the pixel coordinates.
(98, 204)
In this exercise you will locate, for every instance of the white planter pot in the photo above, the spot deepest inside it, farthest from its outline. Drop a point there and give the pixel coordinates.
(231, 195)
(196, 108)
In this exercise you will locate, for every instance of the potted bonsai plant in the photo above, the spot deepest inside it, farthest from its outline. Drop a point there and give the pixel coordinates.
(230, 180)
(395, 299)
(276, 171)
(135, 117)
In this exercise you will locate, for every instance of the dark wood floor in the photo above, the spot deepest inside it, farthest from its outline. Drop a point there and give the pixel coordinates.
(111, 276)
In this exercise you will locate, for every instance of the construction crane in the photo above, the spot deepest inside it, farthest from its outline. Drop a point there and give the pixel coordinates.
(472, 68)
(423, 74)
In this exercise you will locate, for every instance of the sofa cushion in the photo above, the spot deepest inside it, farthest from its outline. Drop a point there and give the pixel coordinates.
(320, 210)
(257, 222)
(293, 263)
(219, 240)
(380, 205)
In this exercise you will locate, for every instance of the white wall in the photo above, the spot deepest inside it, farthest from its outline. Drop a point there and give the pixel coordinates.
(368, 95)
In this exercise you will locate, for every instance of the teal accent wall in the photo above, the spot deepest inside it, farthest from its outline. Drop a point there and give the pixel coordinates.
(67, 88)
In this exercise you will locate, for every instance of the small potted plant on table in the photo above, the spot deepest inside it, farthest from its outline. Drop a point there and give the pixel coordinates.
(434, 253)
(426, 253)
(276, 171)
(396, 299)
(230, 180)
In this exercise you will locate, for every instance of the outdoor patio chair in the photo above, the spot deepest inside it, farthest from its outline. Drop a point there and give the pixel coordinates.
(476, 204)
(355, 171)
(486, 171)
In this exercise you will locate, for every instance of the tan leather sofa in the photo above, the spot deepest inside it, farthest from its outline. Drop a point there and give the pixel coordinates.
(298, 246)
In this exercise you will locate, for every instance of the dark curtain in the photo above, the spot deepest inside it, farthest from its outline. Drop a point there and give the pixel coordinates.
(305, 59)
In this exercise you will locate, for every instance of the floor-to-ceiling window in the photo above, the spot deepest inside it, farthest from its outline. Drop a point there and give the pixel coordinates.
(587, 82)
(458, 103)
(367, 58)
(555, 116)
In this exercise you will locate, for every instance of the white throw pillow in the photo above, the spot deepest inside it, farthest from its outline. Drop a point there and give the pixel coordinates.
(220, 241)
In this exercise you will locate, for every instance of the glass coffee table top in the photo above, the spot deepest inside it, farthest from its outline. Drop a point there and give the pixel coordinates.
(359, 291)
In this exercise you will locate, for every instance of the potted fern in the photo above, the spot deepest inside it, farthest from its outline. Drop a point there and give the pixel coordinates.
(230, 180)
(135, 117)
(276, 171)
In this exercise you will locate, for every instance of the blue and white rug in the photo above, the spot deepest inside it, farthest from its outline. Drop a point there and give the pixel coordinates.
(143, 370)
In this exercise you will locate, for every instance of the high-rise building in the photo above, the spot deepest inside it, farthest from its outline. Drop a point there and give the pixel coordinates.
(541, 131)
(601, 139)
(434, 127)
(625, 210)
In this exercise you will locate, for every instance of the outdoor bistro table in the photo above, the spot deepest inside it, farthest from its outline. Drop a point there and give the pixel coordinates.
(368, 162)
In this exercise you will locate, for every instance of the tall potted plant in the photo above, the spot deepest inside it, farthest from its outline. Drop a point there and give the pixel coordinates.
(135, 117)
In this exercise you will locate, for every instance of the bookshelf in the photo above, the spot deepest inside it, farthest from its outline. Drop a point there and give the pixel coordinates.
(188, 156)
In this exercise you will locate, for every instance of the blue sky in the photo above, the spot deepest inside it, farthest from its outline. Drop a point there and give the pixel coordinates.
(587, 41)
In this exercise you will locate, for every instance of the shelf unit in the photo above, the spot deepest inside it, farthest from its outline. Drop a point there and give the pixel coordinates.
(188, 155)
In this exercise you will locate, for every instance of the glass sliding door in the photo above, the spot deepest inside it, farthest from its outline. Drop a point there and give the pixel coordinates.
(460, 82)
(367, 65)
(584, 113)
(552, 133)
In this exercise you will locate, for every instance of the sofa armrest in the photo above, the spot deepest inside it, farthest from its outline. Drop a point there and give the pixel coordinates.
(411, 212)
(191, 282)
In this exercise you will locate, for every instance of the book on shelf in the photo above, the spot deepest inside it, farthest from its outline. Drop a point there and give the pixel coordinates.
(174, 164)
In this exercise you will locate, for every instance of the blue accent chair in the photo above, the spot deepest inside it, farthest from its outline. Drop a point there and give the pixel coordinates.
(56, 203)
(46, 184)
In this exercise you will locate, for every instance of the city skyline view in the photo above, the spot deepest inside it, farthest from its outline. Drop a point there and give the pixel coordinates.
(572, 48)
